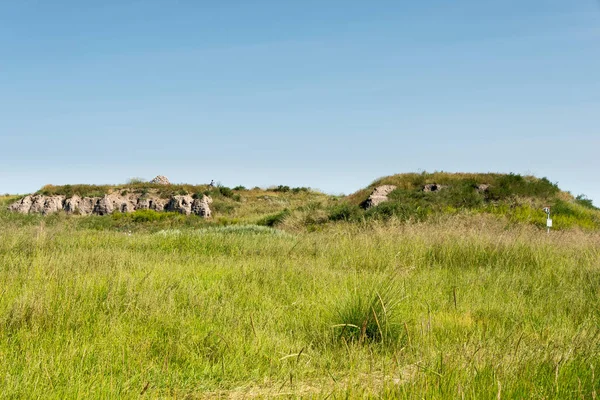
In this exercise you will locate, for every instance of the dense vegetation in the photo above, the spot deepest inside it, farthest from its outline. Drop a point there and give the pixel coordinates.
(427, 310)
(517, 198)
(450, 294)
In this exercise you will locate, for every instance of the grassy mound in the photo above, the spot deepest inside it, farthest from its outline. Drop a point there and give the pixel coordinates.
(231, 206)
(518, 198)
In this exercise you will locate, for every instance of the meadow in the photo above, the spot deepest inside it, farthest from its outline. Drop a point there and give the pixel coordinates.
(456, 306)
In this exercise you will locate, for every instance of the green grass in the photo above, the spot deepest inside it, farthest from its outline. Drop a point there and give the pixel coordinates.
(289, 292)
(459, 306)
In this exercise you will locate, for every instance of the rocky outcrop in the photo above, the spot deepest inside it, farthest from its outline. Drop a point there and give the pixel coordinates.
(188, 205)
(39, 204)
(180, 204)
(151, 203)
(111, 203)
(161, 180)
(378, 196)
(433, 187)
(52, 204)
(104, 206)
(201, 206)
(78, 205)
(22, 206)
(482, 187)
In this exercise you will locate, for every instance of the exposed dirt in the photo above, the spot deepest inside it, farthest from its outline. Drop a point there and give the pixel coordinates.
(378, 196)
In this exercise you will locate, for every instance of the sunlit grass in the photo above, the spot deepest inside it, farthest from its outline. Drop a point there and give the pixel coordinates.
(468, 307)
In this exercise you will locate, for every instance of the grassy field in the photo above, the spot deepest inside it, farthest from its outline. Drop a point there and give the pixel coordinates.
(459, 306)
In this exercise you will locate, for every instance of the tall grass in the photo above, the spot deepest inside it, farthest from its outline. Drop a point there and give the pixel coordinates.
(474, 309)
(369, 314)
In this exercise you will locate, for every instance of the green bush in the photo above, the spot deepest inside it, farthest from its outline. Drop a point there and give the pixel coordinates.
(225, 191)
(345, 212)
(463, 194)
(513, 185)
(282, 188)
(401, 211)
(240, 188)
(583, 200)
(561, 207)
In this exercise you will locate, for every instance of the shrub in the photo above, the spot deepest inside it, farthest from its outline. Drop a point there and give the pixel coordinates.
(460, 195)
(512, 185)
(282, 188)
(344, 212)
(240, 188)
(583, 200)
(401, 211)
(225, 191)
(562, 208)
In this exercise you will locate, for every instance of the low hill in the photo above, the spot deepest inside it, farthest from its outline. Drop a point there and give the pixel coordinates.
(237, 205)
(518, 198)
(408, 197)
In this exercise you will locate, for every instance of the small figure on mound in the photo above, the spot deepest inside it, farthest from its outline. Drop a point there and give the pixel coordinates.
(212, 183)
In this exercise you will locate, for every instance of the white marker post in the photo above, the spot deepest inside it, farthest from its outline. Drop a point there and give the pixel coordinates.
(548, 219)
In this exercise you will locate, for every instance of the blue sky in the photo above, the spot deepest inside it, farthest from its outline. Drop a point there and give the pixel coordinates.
(327, 94)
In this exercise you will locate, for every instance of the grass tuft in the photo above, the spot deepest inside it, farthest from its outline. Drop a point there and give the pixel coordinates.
(371, 314)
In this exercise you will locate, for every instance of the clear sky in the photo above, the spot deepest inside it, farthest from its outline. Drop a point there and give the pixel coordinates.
(328, 94)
